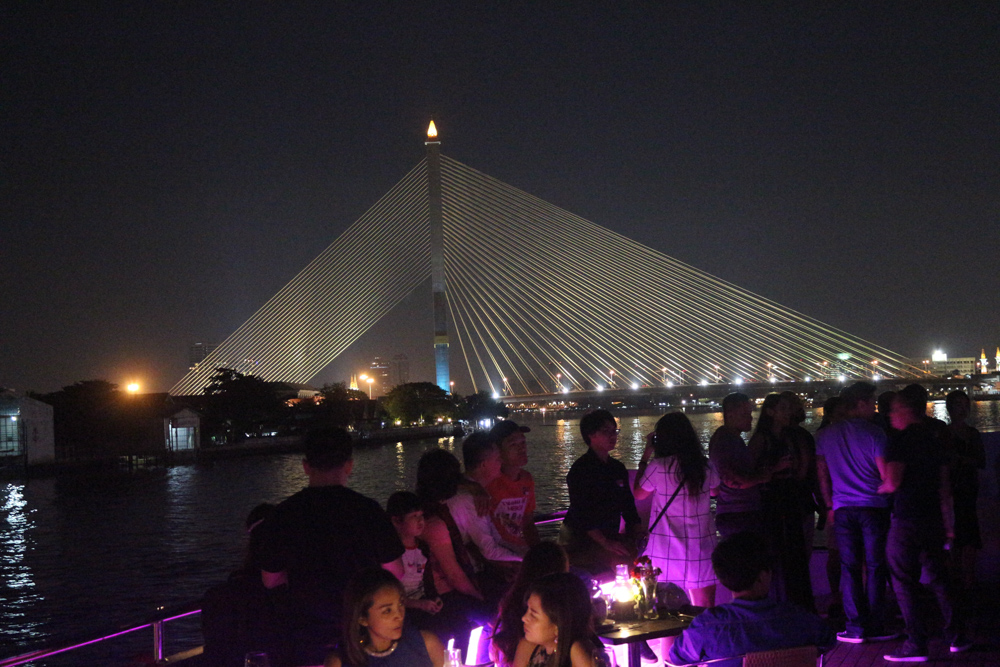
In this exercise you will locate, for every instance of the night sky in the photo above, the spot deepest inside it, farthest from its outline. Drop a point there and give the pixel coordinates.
(165, 169)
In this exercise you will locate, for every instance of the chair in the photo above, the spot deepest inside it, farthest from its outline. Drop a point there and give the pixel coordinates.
(800, 656)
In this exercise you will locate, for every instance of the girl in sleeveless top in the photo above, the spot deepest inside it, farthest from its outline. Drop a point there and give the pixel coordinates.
(375, 634)
(558, 625)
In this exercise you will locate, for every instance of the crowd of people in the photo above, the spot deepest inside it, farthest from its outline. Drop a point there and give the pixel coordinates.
(333, 578)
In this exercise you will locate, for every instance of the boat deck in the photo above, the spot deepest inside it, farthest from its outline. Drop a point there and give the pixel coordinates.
(982, 612)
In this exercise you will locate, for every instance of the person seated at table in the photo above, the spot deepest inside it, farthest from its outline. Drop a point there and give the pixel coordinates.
(374, 631)
(508, 630)
(559, 625)
(752, 621)
(600, 498)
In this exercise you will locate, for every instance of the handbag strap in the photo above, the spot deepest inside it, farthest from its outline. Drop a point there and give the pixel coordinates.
(660, 515)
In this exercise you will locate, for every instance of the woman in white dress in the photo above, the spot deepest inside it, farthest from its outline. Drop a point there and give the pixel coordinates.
(681, 544)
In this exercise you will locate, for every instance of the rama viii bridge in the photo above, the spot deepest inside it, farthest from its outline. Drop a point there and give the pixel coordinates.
(531, 299)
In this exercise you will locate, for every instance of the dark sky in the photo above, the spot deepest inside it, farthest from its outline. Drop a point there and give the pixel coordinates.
(165, 169)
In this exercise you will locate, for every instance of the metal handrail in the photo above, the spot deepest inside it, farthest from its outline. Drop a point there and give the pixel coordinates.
(157, 623)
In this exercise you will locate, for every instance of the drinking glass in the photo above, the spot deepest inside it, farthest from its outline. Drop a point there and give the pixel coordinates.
(453, 657)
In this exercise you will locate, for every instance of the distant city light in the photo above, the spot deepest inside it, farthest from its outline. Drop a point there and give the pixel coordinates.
(669, 384)
(738, 381)
(807, 379)
(496, 395)
(704, 383)
(843, 378)
(600, 387)
(635, 385)
(132, 388)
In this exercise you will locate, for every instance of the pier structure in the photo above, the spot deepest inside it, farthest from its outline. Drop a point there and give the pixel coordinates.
(536, 299)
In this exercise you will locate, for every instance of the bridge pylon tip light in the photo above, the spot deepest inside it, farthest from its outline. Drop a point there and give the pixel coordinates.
(432, 131)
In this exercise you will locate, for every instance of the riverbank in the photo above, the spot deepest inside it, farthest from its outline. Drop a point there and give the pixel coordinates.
(244, 448)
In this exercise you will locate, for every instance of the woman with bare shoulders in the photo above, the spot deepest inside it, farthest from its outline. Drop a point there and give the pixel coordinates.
(558, 626)
(375, 632)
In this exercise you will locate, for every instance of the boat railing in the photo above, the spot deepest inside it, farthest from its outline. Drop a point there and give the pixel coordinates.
(157, 623)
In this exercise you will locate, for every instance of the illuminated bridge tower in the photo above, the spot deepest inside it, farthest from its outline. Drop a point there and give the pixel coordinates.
(438, 282)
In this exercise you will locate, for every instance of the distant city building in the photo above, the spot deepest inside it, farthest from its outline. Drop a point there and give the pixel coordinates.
(379, 370)
(399, 371)
(199, 351)
(939, 363)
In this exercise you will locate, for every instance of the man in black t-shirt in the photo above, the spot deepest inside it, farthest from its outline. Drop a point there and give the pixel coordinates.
(317, 539)
(922, 521)
(600, 498)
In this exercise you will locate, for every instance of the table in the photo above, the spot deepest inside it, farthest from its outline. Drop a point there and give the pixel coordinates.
(633, 632)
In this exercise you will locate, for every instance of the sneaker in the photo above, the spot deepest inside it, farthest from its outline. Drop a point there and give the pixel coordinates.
(849, 637)
(907, 653)
(960, 645)
(647, 654)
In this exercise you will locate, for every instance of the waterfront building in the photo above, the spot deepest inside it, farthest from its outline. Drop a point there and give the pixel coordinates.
(26, 430)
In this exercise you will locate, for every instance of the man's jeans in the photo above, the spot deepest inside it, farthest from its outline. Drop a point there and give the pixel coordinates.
(861, 537)
(917, 545)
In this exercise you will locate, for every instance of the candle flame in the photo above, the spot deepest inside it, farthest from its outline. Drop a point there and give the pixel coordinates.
(432, 131)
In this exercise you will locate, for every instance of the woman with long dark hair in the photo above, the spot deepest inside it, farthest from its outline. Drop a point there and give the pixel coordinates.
(558, 625)
(463, 608)
(681, 543)
(375, 632)
(542, 559)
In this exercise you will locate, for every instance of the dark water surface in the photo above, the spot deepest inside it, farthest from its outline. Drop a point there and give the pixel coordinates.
(80, 555)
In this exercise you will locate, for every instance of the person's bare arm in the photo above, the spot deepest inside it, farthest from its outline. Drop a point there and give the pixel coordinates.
(435, 649)
(892, 475)
(637, 490)
(523, 653)
(825, 487)
(580, 656)
(608, 545)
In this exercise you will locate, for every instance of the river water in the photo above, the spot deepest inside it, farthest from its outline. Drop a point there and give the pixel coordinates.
(80, 555)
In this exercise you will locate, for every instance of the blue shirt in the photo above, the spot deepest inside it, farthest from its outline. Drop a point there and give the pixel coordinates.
(850, 448)
(744, 626)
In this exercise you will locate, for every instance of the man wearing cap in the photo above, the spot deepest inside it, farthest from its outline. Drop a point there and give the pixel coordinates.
(513, 492)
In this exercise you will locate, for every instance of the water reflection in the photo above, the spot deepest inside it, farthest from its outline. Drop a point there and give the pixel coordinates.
(19, 593)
